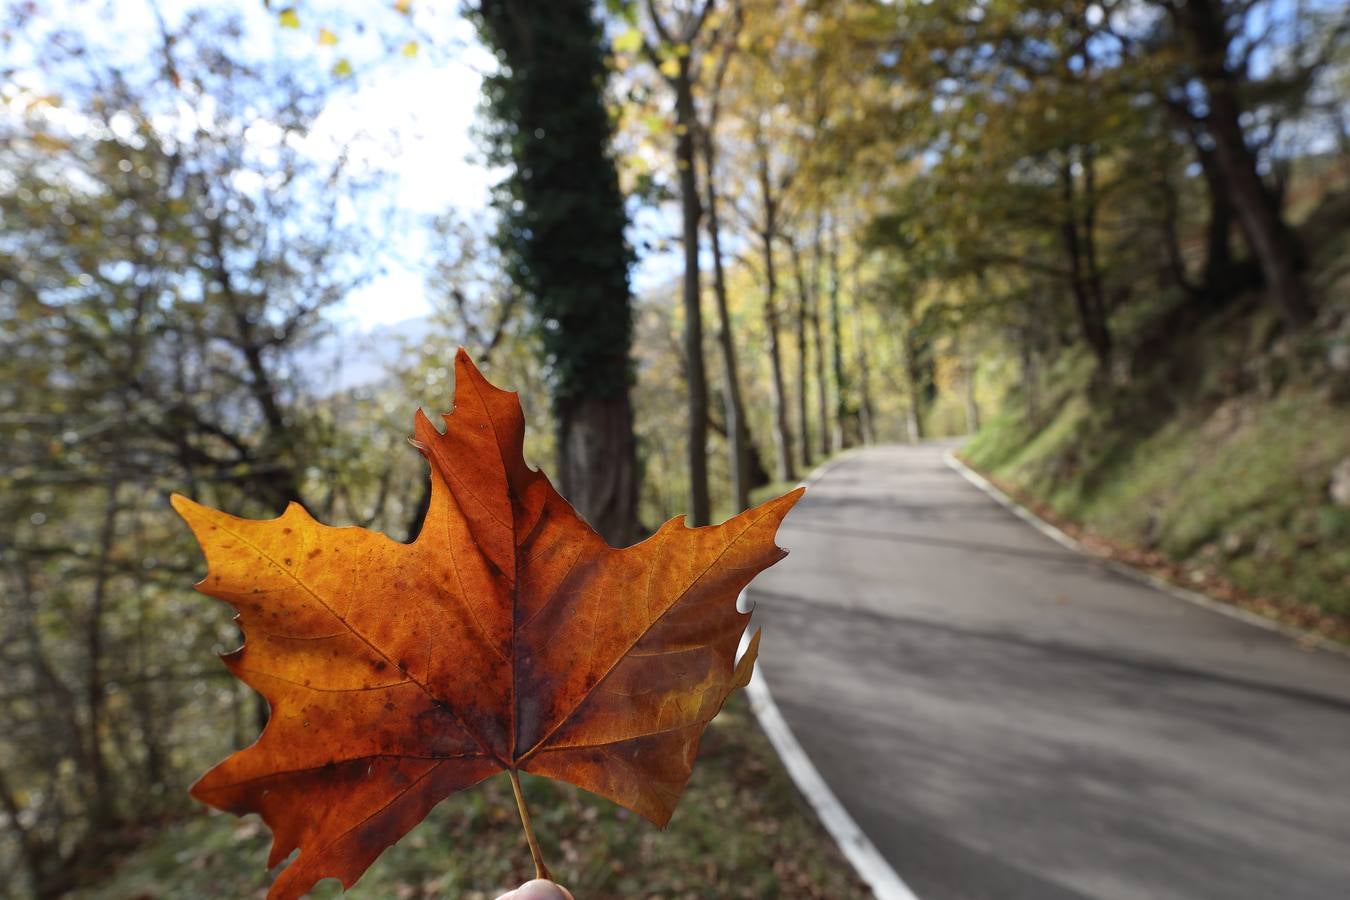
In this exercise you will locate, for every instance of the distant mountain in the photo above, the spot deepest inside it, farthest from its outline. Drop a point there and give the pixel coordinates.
(350, 357)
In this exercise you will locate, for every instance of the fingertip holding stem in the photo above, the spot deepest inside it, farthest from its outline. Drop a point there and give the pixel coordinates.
(538, 889)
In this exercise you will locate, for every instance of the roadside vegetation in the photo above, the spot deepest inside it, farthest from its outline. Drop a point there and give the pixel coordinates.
(741, 825)
(1223, 465)
(726, 240)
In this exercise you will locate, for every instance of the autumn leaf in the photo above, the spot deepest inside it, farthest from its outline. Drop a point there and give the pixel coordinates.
(507, 637)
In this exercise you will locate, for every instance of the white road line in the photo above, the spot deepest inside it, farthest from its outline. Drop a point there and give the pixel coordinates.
(860, 851)
(870, 865)
(1306, 638)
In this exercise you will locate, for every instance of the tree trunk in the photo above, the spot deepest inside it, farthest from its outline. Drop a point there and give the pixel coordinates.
(818, 339)
(563, 236)
(700, 505)
(1088, 157)
(1086, 294)
(1030, 377)
(968, 376)
(595, 434)
(802, 318)
(842, 413)
(32, 849)
(102, 812)
(738, 430)
(769, 234)
(866, 411)
(782, 428)
(1218, 266)
(1171, 234)
(1272, 241)
(914, 382)
(419, 510)
(143, 696)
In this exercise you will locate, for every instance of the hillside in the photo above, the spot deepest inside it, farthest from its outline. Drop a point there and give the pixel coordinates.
(1222, 461)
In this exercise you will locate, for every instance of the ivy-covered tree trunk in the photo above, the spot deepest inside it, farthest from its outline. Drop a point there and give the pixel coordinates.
(562, 232)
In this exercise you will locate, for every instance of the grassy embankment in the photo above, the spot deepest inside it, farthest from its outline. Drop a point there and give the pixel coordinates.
(741, 830)
(1212, 465)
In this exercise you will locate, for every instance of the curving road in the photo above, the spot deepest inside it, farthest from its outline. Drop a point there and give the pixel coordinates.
(1007, 719)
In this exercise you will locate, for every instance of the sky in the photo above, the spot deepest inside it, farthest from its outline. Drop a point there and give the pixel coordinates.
(407, 112)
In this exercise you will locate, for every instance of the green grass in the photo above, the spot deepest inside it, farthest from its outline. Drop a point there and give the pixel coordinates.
(1237, 485)
(741, 830)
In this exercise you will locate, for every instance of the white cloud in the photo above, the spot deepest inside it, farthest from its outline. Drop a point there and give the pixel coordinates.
(394, 297)
(416, 123)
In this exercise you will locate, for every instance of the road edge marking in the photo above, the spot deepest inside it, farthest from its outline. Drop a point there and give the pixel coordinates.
(1304, 638)
(858, 849)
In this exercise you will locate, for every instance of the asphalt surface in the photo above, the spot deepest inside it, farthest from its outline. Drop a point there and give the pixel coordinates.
(1006, 718)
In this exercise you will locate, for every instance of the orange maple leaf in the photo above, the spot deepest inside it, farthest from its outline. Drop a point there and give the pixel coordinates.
(507, 637)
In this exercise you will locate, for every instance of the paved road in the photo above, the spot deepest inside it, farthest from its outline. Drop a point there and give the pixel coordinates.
(1008, 719)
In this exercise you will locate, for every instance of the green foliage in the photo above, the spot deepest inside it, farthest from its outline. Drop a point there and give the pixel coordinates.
(1235, 484)
(165, 267)
(160, 276)
(563, 218)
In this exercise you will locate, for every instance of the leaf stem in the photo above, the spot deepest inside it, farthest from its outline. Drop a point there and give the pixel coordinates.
(540, 870)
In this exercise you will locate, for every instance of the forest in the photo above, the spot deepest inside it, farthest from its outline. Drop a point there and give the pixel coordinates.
(720, 242)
